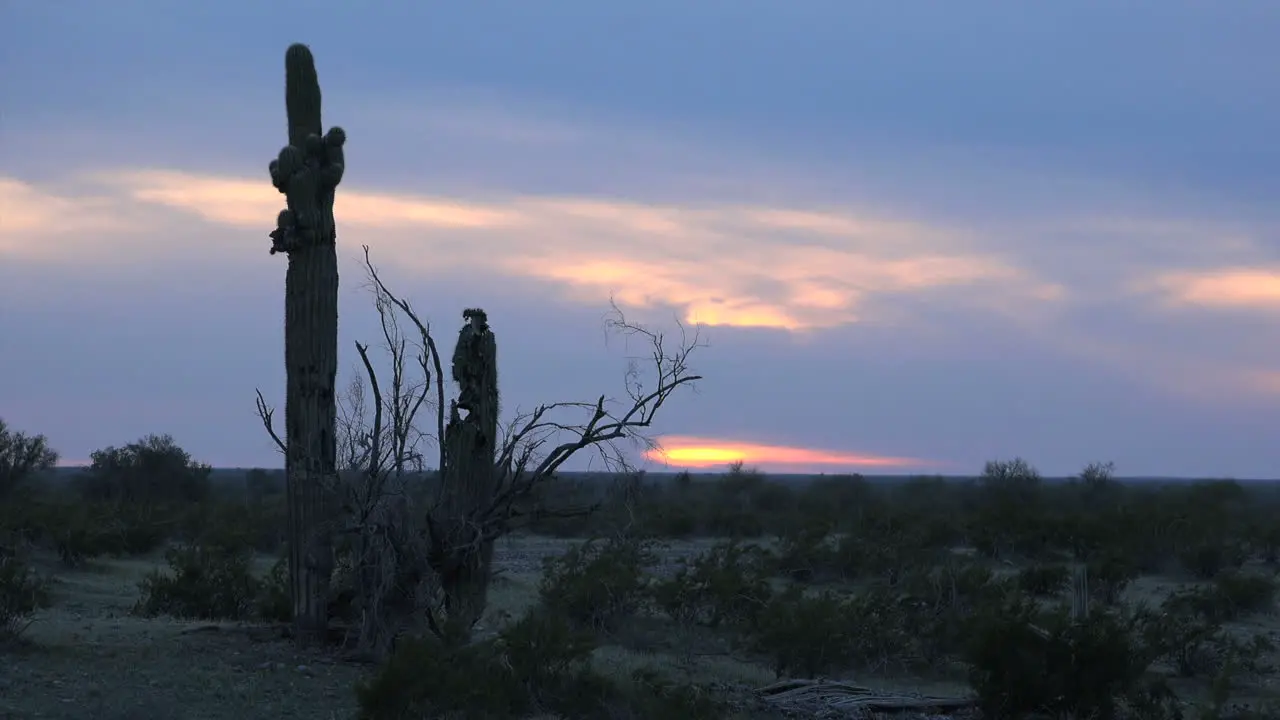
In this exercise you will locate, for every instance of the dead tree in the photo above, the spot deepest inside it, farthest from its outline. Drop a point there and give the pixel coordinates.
(424, 560)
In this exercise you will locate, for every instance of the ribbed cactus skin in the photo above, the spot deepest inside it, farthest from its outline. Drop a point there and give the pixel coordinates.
(307, 171)
(301, 94)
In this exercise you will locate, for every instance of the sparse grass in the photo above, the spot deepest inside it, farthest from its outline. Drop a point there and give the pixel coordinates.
(90, 658)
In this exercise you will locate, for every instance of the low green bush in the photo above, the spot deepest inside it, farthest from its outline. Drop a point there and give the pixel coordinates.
(1025, 661)
(598, 584)
(23, 591)
(205, 582)
(540, 663)
(815, 634)
(726, 585)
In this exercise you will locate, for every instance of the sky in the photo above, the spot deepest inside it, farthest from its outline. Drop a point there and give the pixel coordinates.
(915, 236)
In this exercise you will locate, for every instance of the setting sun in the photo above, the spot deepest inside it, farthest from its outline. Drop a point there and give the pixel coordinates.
(695, 452)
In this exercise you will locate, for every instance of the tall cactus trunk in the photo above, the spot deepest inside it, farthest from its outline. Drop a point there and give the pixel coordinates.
(468, 478)
(307, 172)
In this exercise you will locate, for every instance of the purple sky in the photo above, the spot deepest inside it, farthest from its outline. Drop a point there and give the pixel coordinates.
(953, 234)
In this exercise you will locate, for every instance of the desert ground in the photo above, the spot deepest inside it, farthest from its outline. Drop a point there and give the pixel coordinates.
(89, 657)
(736, 596)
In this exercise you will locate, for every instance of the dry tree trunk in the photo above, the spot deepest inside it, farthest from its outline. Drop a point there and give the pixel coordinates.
(469, 478)
(307, 172)
(484, 479)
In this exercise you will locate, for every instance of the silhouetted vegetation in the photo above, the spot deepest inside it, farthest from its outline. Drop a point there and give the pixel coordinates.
(1085, 598)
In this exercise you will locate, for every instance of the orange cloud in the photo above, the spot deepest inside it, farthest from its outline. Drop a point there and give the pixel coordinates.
(1223, 288)
(39, 224)
(1263, 381)
(696, 452)
(245, 202)
(746, 266)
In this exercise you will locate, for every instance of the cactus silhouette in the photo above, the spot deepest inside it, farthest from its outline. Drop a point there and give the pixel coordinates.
(307, 172)
(468, 476)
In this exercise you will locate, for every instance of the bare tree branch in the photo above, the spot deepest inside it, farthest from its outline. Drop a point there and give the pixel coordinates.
(399, 548)
(265, 413)
(428, 350)
(523, 462)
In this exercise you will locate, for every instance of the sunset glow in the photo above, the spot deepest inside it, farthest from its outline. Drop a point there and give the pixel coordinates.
(1227, 288)
(695, 452)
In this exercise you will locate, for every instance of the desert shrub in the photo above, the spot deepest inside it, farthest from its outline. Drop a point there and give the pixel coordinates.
(126, 529)
(260, 525)
(815, 634)
(1109, 575)
(728, 584)
(1208, 558)
(652, 696)
(1232, 595)
(152, 470)
(24, 519)
(882, 548)
(1185, 640)
(1187, 633)
(82, 532)
(1025, 661)
(597, 584)
(879, 547)
(669, 520)
(735, 523)
(1043, 580)
(806, 554)
(1243, 593)
(207, 582)
(538, 663)
(22, 456)
(941, 600)
(1265, 539)
(22, 592)
(834, 500)
(1009, 517)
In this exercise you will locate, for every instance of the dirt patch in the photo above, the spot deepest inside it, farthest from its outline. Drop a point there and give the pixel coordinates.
(87, 657)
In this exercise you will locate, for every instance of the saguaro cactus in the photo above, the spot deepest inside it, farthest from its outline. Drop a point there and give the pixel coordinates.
(307, 172)
(468, 478)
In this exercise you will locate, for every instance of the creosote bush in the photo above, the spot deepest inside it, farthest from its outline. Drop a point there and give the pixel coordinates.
(727, 585)
(598, 584)
(22, 592)
(838, 578)
(206, 582)
(811, 635)
(1027, 661)
(538, 664)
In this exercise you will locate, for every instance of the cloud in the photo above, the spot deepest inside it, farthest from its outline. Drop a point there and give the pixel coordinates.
(1223, 288)
(718, 264)
(32, 217)
(687, 451)
(1064, 283)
